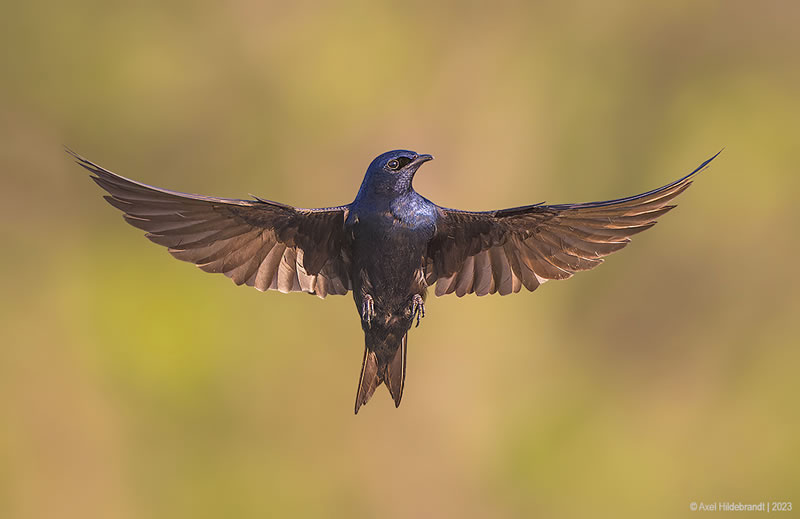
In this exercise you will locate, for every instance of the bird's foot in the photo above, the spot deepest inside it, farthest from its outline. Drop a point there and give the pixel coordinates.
(417, 308)
(367, 309)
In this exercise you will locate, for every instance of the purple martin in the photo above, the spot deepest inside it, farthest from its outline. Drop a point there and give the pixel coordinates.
(387, 246)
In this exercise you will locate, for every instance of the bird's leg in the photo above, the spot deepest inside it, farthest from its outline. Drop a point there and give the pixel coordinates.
(417, 308)
(367, 309)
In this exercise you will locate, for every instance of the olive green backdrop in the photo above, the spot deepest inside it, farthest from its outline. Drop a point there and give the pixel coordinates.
(133, 385)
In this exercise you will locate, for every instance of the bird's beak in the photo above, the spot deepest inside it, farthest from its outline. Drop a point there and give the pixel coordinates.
(421, 159)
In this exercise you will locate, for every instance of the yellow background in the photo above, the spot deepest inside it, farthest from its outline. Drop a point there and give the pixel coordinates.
(133, 385)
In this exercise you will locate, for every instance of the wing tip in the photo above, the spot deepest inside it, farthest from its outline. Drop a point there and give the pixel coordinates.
(705, 164)
(83, 161)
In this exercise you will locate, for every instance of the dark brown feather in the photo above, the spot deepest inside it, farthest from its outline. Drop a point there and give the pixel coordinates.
(370, 378)
(396, 372)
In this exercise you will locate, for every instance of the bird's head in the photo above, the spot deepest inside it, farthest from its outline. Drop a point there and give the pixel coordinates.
(391, 173)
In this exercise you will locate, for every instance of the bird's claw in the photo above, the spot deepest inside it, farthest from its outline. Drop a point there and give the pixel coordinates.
(417, 308)
(368, 310)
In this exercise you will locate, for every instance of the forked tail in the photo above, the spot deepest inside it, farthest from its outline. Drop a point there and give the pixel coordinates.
(384, 363)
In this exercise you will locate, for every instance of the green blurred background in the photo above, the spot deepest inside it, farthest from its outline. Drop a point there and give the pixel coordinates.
(133, 385)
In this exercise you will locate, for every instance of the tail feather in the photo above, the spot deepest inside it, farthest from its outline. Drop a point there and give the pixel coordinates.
(370, 378)
(376, 370)
(396, 373)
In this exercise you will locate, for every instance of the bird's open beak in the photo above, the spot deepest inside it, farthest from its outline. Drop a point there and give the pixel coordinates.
(420, 159)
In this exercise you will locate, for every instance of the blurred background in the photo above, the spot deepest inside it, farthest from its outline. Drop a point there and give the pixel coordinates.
(134, 385)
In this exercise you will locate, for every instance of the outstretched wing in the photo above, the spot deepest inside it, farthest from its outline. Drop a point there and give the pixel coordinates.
(263, 244)
(502, 251)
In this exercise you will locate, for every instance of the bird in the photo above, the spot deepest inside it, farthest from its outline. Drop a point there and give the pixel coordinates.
(387, 247)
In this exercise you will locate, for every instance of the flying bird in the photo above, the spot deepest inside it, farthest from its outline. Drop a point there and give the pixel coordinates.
(387, 246)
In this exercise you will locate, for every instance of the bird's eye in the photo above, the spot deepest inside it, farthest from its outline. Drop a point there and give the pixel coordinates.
(393, 164)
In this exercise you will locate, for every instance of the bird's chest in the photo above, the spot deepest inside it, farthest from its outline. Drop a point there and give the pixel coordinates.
(391, 244)
(386, 235)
